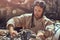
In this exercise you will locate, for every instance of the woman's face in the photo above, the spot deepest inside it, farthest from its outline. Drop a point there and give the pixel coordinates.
(38, 11)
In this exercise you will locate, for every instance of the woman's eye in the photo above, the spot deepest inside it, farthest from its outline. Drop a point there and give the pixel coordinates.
(39, 10)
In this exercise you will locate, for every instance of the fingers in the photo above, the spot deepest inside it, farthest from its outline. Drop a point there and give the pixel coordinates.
(40, 35)
(13, 34)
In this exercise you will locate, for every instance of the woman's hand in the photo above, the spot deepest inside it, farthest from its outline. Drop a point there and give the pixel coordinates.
(40, 35)
(13, 33)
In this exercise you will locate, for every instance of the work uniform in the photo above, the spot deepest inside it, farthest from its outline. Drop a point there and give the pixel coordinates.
(25, 21)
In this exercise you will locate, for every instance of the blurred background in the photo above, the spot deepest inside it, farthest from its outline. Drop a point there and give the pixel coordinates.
(11, 8)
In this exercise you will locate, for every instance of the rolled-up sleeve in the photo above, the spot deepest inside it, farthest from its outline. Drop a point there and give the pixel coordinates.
(10, 22)
(50, 27)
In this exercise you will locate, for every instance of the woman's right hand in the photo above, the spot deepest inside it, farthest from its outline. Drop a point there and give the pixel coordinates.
(13, 33)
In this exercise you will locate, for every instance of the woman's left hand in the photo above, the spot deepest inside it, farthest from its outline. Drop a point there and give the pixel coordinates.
(40, 35)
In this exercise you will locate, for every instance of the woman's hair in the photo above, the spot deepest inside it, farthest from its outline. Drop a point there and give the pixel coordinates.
(41, 4)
